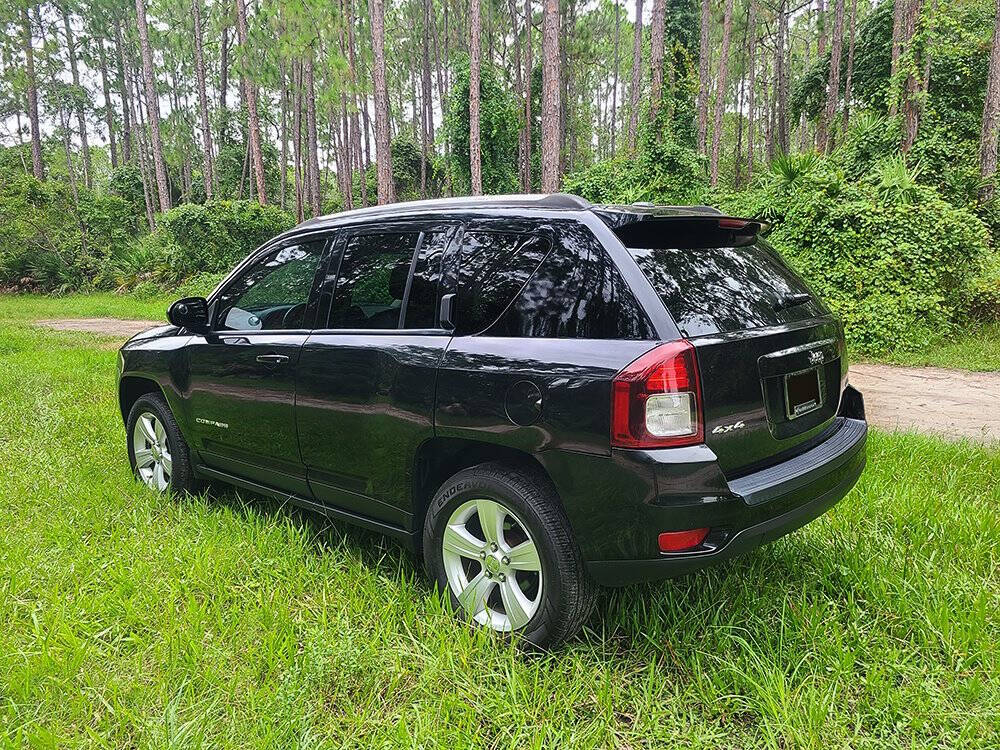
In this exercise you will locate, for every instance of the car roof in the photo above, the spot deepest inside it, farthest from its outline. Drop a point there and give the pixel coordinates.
(523, 205)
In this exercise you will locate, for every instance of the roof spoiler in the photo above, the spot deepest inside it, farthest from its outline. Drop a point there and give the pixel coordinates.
(697, 228)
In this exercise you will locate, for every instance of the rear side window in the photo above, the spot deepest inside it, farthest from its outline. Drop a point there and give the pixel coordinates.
(493, 268)
(372, 280)
(576, 292)
(711, 290)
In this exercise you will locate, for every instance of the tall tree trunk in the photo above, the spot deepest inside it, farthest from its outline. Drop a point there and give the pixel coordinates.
(250, 92)
(109, 110)
(614, 89)
(356, 108)
(528, 72)
(312, 139)
(283, 133)
(123, 91)
(519, 88)
(911, 88)
(781, 77)
(152, 108)
(224, 88)
(833, 86)
(297, 139)
(383, 154)
(656, 39)
(991, 116)
(720, 93)
(822, 123)
(206, 125)
(81, 120)
(752, 84)
(475, 157)
(633, 120)
(37, 166)
(550, 96)
(849, 83)
(704, 57)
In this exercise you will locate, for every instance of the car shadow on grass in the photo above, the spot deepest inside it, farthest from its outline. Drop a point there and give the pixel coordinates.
(665, 616)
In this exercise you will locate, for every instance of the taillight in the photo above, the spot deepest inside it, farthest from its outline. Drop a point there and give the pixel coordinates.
(656, 400)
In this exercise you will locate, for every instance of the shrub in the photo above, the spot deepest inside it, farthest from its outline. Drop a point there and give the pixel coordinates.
(895, 261)
(50, 243)
(193, 239)
(661, 171)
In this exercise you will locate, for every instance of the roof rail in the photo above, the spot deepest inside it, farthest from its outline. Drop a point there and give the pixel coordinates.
(564, 200)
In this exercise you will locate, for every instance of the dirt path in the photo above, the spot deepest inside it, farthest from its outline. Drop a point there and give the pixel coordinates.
(949, 403)
(122, 329)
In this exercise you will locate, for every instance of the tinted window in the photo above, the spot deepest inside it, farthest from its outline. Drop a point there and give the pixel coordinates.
(577, 292)
(718, 289)
(493, 267)
(422, 296)
(271, 294)
(372, 280)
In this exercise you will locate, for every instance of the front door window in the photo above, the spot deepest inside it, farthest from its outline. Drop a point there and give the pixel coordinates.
(272, 294)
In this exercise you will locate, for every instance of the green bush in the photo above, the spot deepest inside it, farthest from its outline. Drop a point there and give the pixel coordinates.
(661, 171)
(195, 239)
(49, 243)
(894, 260)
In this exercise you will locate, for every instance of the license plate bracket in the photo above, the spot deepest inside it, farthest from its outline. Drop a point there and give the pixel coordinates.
(803, 392)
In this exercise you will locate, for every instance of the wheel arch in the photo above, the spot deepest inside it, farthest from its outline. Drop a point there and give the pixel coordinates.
(131, 387)
(439, 458)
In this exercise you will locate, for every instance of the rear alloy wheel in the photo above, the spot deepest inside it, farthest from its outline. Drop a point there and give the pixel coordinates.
(497, 540)
(156, 448)
(492, 565)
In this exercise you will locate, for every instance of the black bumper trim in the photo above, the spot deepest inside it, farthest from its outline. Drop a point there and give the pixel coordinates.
(624, 572)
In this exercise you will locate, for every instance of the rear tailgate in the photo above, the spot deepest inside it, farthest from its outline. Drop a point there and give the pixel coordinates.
(770, 354)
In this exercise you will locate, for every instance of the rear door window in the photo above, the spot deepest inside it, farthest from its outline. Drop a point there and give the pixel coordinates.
(712, 290)
(372, 280)
(493, 268)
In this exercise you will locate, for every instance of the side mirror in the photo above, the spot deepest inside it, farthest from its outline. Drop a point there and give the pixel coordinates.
(190, 313)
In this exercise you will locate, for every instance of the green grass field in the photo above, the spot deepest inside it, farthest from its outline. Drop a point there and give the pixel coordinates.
(129, 619)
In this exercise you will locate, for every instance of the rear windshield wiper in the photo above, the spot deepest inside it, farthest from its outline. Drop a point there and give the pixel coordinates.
(791, 300)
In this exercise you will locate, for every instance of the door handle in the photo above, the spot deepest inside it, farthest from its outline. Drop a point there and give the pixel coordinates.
(272, 359)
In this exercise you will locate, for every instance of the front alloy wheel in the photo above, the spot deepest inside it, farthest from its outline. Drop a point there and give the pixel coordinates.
(153, 463)
(156, 448)
(492, 565)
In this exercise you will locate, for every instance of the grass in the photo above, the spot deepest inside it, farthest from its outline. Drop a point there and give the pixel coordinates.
(131, 619)
(976, 348)
(103, 305)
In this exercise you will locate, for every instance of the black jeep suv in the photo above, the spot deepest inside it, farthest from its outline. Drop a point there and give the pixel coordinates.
(540, 393)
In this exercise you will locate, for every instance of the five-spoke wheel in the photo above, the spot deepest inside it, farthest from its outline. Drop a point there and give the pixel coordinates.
(492, 565)
(153, 463)
(497, 540)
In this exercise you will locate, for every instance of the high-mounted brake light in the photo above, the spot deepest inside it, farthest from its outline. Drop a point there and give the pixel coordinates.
(656, 400)
(733, 223)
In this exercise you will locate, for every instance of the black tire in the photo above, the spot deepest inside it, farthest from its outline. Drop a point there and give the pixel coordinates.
(568, 594)
(182, 479)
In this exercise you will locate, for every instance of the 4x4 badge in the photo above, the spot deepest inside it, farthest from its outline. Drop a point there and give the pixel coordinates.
(728, 427)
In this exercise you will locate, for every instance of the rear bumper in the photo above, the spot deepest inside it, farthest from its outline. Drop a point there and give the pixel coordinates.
(760, 507)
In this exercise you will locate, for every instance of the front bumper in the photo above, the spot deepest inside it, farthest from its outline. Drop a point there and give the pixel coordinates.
(760, 508)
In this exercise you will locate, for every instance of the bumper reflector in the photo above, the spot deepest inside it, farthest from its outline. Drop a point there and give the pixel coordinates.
(678, 541)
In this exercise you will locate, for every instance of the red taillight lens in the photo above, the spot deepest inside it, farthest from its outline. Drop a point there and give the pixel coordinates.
(678, 541)
(656, 400)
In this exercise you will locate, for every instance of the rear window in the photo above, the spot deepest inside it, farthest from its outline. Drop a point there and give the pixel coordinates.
(720, 289)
